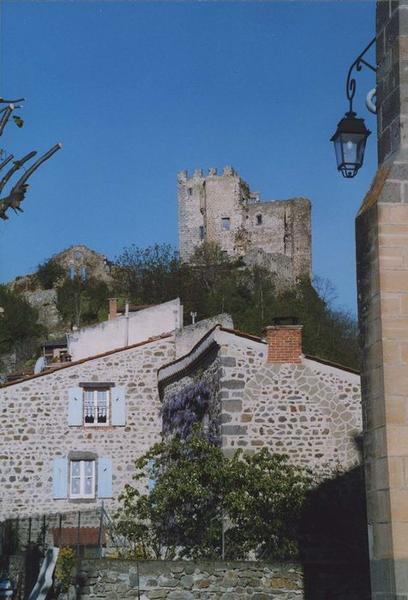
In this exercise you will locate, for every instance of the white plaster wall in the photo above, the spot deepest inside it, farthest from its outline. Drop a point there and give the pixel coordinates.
(125, 331)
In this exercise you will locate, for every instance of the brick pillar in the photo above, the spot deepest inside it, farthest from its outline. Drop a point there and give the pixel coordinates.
(284, 343)
(382, 276)
(113, 308)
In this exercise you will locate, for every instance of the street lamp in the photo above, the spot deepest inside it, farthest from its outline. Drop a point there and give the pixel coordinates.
(351, 134)
(349, 144)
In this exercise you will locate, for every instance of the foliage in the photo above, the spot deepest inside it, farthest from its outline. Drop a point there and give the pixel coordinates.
(49, 273)
(199, 491)
(148, 275)
(264, 503)
(19, 329)
(63, 568)
(82, 302)
(213, 284)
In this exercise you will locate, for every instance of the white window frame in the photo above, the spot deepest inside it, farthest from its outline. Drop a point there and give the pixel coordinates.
(82, 493)
(95, 406)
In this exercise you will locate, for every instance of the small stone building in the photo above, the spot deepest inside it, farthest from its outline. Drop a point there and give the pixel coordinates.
(253, 393)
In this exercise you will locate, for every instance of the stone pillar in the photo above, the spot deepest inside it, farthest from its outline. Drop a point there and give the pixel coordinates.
(382, 275)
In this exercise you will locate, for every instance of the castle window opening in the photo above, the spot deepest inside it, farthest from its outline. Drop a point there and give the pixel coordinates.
(225, 223)
(71, 271)
(201, 232)
(259, 219)
(190, 191)
(82, 479)
(84, 273)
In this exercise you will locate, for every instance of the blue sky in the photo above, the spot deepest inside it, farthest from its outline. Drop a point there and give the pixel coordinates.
(138, 91)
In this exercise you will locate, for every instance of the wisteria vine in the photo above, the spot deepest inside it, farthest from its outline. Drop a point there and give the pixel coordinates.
(186, 407)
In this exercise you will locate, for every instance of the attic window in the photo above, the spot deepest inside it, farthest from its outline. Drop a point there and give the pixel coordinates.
(259, 219)
(225, 223)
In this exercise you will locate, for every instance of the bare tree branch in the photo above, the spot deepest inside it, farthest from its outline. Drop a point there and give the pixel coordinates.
(16, 166)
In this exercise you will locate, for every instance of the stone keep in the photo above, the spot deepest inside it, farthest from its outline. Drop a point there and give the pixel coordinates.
(223, 210)
(382, 274)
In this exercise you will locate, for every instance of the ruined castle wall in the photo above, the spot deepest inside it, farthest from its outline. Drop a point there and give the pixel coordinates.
(275, 228)
(34, 428)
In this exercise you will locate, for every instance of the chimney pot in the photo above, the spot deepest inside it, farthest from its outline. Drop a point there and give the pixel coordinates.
(284, 343)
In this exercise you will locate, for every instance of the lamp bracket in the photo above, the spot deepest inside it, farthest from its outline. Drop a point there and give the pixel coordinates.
(358, 64)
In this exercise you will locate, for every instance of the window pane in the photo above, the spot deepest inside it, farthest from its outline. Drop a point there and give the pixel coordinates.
(88, 468)
(89, 485)
(75, 468)
(102, 405)
(89, 409)
(75, 487)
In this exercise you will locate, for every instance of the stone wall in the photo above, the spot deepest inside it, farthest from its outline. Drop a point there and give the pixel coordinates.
(34, 427)
(182, 580)
(277, 229)
(310, 411)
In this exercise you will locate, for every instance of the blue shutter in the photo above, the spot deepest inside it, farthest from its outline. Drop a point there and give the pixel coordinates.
(151, 482)
(104, 477)
(60, 477)
(75, 402)
(118, 406)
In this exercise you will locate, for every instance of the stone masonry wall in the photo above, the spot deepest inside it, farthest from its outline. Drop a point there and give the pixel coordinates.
(34, 427)
(184, 580)
(309, 411)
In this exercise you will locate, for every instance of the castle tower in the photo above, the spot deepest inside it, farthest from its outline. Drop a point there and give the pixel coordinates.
(223, 210)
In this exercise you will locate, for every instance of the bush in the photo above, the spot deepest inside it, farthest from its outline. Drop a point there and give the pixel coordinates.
(199, 492)
(49, 273)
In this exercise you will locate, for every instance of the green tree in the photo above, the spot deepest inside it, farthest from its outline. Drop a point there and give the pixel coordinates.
(19, 330)
(199, 492)
(49, 273)
(212, 283)
(82, 302)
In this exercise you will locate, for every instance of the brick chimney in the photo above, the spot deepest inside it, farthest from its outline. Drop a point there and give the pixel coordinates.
(284, 340)
(113, 308)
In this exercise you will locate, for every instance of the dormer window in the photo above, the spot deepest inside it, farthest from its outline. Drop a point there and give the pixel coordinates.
(259, 219)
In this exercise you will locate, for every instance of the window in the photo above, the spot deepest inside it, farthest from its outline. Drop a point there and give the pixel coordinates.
(96, 406)
(225, 223)
(82, 479)
(201, 232)
(71, 272)
(84, 273)
(259, 219)
(190, 191)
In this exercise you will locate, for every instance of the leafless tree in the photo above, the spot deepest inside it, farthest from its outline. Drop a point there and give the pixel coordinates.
(17, 192)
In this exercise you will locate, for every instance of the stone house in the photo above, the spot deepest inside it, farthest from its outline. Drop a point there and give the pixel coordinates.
(69, 436)
(255, 393)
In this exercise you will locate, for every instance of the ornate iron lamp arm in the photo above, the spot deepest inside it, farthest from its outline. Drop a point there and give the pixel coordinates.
(357, 65)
